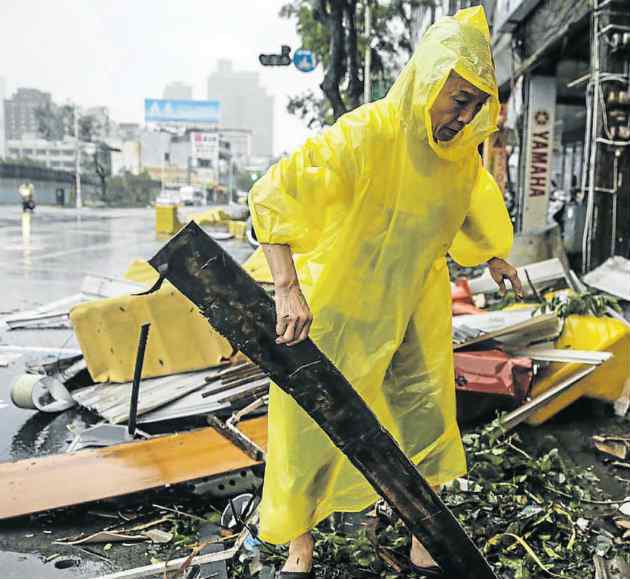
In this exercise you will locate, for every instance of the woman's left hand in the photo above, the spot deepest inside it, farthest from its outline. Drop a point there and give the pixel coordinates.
(500, 270)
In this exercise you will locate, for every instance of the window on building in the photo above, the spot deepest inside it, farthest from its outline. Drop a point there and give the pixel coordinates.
(27, 151)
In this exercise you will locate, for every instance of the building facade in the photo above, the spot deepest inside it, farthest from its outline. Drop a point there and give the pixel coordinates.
(59, 155)
(240, 144)
(178, 91)
(20, 112)
(245, 105)
(3, 137)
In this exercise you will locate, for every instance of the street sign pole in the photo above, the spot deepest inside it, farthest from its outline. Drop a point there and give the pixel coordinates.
(79, 200)
(367, 84)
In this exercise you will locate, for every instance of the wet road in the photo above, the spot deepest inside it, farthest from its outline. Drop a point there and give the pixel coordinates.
(43, 258)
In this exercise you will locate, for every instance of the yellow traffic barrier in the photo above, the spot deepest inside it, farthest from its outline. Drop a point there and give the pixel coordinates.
(257, 266)
(212, 216)
(181, 340)
(139, 271)
(605, 383)
(167, 220)
(237, 229)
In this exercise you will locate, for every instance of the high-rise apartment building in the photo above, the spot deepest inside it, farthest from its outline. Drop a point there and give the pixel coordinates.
(19, 112)
(178, 91)
(3, 137)
(245, 105)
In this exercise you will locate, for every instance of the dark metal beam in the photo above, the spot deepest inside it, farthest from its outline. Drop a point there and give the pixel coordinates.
(245, 314)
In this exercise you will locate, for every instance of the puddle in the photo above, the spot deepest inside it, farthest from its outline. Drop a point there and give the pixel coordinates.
(22, 566)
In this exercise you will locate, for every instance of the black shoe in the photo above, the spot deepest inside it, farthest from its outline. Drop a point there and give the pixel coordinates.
(433, 571)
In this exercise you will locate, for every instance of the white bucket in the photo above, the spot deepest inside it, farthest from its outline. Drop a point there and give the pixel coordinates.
(22, 391)
(44, 393)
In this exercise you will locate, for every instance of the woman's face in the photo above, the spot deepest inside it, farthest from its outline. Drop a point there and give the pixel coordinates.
(455, 106)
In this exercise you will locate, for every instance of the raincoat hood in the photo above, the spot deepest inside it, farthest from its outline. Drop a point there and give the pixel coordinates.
(459, 43)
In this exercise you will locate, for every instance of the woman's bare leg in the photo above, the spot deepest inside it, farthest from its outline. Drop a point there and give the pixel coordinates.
(300, 554)
(419, 555)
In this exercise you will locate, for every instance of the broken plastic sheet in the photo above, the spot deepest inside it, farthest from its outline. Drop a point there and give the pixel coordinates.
(511, 327)
(612, 277)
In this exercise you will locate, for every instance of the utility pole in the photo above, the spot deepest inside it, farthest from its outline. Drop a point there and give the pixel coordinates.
(606, 177)
(77, 157)
(231, 178)
(367, 78)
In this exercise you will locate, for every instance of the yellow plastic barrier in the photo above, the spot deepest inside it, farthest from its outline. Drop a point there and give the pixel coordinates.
(166, 219)
(606, 382)
(211, 217)
(237, 229)
(258, 268)
(180, 339)
(140, 271)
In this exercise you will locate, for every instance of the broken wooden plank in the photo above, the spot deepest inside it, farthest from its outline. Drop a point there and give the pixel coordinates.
(34, 485)
(245, 314)
(544, 326)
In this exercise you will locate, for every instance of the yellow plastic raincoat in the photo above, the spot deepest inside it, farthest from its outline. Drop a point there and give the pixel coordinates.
(371, 206)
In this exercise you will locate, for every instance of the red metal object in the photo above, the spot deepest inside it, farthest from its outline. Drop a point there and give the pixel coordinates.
(489, 380)
(462, 300)
(461, 292)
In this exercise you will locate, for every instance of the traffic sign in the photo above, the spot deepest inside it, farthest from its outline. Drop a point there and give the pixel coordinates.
(304, 60)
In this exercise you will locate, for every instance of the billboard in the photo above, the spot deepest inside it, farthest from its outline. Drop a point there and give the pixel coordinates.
(205, 154)
(181, 112)
(205, 145)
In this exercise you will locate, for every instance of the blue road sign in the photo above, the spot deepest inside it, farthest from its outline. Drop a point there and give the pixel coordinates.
(304, 60)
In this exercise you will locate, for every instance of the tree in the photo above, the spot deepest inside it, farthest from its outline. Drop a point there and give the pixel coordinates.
(55, 122)
(335, 31)
(129, 190)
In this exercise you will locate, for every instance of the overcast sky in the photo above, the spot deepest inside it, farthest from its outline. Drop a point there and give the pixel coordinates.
(117, 52)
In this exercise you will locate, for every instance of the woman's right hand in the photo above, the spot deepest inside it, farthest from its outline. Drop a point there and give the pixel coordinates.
(293, 316)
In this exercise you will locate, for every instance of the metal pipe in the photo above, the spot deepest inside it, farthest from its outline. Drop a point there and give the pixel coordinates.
(595, 72)
(604, 4)
(137, 376)
(367, 74)
(609, 27)
(613, 143)
(521, 414)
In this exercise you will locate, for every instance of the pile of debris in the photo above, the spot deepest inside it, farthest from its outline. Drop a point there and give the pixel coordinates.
(182, 389)
(533, 517)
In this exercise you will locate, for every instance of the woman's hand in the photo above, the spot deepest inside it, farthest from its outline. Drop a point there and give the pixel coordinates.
(293, 316)
(500, 270)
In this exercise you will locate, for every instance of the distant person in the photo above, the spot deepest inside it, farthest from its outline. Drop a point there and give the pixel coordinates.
(26, 193)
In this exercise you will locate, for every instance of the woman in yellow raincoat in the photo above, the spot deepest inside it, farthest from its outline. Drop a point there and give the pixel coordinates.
(368, 209)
